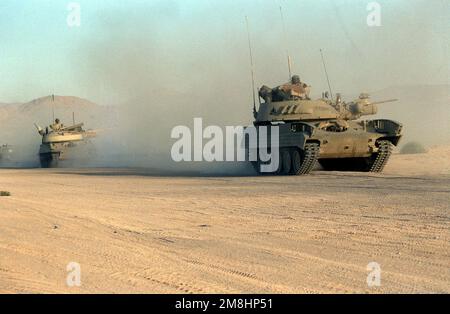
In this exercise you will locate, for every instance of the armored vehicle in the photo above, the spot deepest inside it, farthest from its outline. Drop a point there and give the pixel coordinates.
(328, 131)
(6, 152)
(60, 142)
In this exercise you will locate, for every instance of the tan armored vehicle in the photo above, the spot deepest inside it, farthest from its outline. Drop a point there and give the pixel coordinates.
(6, 152)
(60, 142)
(331, 132)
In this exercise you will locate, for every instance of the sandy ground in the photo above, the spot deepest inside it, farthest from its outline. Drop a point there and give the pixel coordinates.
(132, 231)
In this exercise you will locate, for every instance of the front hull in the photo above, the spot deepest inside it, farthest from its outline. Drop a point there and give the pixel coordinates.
(342, 145)
(52, 155)
(49, 160)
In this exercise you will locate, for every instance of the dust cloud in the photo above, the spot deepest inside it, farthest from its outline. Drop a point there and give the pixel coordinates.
(160, 65)
(156, 83)
(160, 68)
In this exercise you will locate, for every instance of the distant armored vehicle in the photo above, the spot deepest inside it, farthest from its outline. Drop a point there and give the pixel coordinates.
(59, 141)
(326, 131)
(6, 152)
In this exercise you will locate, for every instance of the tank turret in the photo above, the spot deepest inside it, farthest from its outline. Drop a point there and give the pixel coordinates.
(361, 107)
(315, 110)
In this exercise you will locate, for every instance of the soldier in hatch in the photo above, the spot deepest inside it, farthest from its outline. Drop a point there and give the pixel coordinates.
(265, 93)
(293, 90)
(57, 126)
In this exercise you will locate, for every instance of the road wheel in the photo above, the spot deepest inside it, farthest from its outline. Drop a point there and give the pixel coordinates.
(296, 161)
(286, 162)
(303, 162)
(256, 166)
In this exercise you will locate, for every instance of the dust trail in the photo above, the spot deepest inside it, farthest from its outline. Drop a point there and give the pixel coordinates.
(160, 71)
(156, 66)
(158, 84)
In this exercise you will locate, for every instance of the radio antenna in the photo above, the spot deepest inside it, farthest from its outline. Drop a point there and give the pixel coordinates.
(326, 74)
(53, 107)
(252, 70)
(286, 41)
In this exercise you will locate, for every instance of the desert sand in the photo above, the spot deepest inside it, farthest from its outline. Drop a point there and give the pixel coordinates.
(135, 231)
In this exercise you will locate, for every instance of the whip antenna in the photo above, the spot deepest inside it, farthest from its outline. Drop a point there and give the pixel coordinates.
(326, 73)
(285, 39)
(53, 107)
(251, 67)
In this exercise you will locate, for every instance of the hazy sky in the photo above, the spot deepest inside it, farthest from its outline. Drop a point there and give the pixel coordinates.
(193, 42)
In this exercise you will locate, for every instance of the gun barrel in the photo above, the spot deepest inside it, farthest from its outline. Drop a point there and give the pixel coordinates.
(384, 101)
(39, 129)
(72, 127)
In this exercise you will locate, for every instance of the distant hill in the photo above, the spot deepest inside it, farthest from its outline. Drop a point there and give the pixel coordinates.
(62, 103)
(17, 120)
(41, 110)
